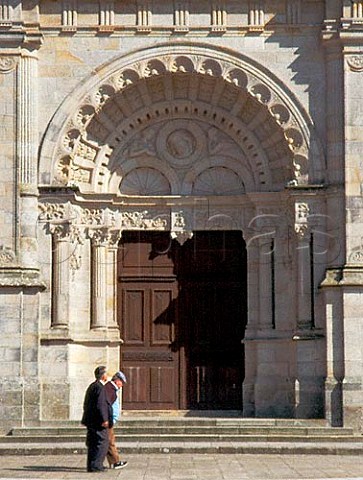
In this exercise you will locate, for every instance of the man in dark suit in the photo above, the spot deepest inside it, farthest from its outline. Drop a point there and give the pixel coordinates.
(96, 417)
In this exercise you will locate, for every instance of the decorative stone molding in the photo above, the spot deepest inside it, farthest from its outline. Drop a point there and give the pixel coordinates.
(181, 16)
(357, 9)
(256, 18)
(355, 63)
(52, 211)
(137, 221)
(69, 15)
(242, 81)
(7, 255)
(219, 17)
(7, 64)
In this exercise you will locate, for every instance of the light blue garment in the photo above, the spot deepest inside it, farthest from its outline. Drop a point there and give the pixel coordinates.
(116, 406)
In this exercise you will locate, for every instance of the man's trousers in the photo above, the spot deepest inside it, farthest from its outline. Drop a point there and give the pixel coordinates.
(97, 444)
(112, 453)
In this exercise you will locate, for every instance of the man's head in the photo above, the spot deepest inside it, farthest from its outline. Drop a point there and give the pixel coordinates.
(101, 373)
(119, 379)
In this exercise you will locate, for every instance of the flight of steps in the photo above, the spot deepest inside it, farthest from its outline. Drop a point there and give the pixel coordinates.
(191, 434)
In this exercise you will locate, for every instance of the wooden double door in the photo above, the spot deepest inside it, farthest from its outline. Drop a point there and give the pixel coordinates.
(182, 314)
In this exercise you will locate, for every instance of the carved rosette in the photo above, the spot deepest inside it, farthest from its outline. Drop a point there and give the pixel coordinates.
(355, 63)
(7, 64)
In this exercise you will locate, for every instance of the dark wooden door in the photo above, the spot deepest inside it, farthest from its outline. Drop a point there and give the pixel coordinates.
(148, 322)
(212, 290)
(182, 315)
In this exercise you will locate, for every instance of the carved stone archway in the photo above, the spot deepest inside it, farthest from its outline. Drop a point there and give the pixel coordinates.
(185, 137)
(121, 120)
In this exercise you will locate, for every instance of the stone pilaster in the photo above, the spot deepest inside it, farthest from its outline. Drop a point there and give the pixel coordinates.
(265, 287)
(61, 275)
(303, 263)
(27, 146)
(112, 282)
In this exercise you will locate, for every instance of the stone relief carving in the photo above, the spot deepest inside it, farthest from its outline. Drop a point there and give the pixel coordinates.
(138, 220)
(7, 255)
(302, 212)
(355, 63)
(145, 181)
(218, 181)
(52, 211)
(7, 64)
(356, 256)
(182, 144)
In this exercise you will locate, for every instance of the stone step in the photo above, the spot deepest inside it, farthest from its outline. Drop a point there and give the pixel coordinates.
(126, 438)
(315, 448)
(217, 430)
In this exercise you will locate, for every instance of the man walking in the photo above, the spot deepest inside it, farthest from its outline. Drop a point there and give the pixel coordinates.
(112, 388)
(96, 417)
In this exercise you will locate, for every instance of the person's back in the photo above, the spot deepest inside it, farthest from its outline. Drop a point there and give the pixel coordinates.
(92, 415)
(96, 414)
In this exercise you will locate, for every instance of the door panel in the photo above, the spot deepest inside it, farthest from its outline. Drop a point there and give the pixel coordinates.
(133, 314)
(182, 316)
(148, 290)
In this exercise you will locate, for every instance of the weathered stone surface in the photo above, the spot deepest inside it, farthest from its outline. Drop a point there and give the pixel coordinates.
(117, 117)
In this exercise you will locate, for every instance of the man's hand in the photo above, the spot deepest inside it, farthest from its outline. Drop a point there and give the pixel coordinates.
(104, 424)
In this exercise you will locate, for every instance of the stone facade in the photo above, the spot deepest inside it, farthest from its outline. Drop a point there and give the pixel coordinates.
(182, 116)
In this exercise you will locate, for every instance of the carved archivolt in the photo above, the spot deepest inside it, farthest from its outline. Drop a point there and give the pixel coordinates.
(160, 105)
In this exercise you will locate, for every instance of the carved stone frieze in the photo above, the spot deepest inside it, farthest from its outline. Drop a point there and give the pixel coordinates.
(138, 220)
(52, 211)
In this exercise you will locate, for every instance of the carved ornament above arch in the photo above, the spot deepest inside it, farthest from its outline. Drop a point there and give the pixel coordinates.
(157, 109)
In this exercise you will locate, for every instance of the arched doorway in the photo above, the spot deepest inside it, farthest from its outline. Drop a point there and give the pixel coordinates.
(186, 138)
(182, 313)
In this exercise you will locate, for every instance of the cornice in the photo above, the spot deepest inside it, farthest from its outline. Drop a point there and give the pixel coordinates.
(17, 36)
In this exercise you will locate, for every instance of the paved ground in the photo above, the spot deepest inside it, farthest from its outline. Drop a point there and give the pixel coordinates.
(189, 467)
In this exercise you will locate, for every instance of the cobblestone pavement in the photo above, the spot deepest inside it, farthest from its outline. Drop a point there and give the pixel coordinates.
(189, 467)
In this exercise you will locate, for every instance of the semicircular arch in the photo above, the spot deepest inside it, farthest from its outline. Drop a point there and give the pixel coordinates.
(244, 98)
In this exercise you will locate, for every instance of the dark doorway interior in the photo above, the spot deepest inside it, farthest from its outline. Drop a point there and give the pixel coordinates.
(182, 314)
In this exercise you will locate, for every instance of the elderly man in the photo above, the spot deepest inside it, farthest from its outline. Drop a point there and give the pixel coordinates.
(96, 417)
(112, 388)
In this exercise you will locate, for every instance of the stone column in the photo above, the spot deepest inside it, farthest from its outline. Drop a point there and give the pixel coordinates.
(61, 275)
(27, 147)
(99, 240)
(252, 325)
(303, 268)
(265, 287)
(112, 251)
